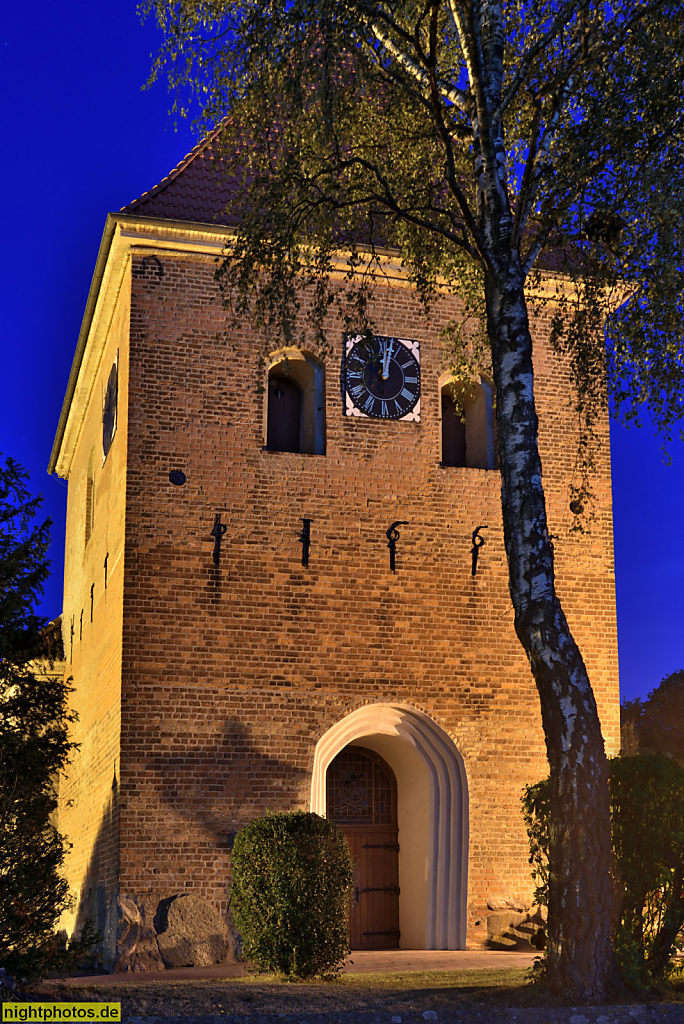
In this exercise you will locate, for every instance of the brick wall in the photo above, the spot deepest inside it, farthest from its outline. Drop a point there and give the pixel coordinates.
(230, 676)
(88, 812)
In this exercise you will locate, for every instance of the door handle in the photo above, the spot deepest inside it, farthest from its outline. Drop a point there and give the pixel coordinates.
(356, 894)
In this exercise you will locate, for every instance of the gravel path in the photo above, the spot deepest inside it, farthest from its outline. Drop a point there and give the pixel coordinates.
(640, 1014)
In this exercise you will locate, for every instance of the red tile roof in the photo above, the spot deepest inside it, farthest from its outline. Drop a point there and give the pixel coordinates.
(195, 190)
(199, 188)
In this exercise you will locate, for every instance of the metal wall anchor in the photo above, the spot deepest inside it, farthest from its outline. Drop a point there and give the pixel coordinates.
(305, 540)
(392, 537)
(478, 541)
(217, 533)
(394, 889)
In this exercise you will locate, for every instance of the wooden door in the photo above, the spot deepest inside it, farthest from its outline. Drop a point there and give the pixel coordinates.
(362, 799)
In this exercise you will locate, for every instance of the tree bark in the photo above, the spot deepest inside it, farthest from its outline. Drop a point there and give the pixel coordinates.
(581, 895)
(663, 945)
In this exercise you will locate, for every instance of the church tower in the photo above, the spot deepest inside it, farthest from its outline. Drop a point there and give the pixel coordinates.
(286, 588)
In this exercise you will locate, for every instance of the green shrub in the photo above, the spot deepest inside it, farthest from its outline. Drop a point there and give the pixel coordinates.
(647, 801)
(647, 811)
(53, 953)
(292, 880)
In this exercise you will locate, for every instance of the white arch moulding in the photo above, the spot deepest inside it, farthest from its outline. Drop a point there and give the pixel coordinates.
(426, 760)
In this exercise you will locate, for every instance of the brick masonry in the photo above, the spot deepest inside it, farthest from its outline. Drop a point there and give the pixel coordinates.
(202, 692)
(89, 795)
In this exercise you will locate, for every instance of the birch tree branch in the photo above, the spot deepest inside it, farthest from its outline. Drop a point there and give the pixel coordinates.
(387, 199)
(459, 25)
(538, 162)
(449, 92)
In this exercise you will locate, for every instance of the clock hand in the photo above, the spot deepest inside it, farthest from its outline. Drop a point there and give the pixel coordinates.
(386, 356)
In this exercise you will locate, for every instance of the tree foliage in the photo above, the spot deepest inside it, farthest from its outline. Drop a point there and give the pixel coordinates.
(514, 153)
(292, 880)
(367, 122)
(647, 813)
(34, 746)
(647, 797)
(656, 724)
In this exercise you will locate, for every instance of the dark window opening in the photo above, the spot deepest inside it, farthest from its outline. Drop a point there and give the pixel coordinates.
(284, 415)
(453, 433)
(295, 409)
(468, 425)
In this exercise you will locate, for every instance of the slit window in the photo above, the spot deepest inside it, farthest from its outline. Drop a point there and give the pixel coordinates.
(89, 507)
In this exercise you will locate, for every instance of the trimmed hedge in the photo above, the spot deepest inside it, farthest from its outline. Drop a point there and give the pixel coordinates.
(292, 881)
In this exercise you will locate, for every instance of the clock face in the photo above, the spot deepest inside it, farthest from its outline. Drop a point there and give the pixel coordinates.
(381, 378)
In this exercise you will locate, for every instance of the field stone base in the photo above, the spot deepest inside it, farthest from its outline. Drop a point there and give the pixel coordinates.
(190, 933)
(146, 956)
(131, 942)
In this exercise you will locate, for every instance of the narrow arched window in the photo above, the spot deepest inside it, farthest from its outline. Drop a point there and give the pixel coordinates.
(89, 507)
(89, 518)
(453, 432)
(295, 408)
(284, 415)
(468, 427)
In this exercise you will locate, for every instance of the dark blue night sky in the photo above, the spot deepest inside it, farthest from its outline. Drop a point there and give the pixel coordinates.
(80, 138)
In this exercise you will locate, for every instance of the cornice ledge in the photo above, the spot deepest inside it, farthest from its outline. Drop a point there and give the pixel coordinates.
(126, 233)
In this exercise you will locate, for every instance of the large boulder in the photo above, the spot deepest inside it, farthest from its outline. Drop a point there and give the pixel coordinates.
(146, 955)
(190, 933)
(129, 941)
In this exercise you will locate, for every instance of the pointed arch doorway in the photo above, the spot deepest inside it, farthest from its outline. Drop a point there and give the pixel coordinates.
(361, 796)
(432, 815)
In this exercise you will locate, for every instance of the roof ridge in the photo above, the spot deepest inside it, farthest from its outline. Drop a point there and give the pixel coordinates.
(181, 166)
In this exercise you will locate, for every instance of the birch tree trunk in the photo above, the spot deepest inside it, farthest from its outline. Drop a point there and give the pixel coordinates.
(581, 894)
